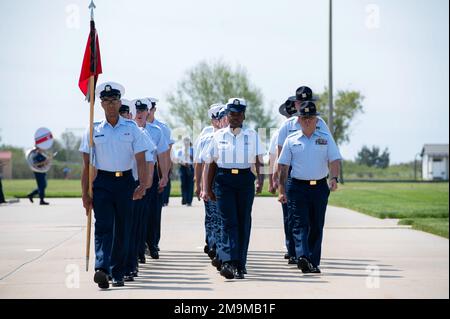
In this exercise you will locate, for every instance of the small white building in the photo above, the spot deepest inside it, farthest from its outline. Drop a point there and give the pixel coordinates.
(434, 162)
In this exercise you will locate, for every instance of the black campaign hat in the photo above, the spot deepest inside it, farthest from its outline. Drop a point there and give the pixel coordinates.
(308, 108)
(288, 107)
(304, 93)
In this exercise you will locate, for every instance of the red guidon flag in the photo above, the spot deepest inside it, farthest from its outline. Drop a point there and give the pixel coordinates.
(92, 64)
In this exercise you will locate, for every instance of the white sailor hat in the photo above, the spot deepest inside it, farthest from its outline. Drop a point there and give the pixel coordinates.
(236, 105)
(125, 106)
(142, 104)
(214, 110)
(109, 89)
(223, 112)
(153, 102)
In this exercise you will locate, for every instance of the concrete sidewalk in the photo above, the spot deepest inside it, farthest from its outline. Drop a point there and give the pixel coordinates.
(42, 256)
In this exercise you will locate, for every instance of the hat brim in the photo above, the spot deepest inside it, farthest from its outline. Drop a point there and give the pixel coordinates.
(237, 110)
(111, 93)
(282, 110)
(313, 99)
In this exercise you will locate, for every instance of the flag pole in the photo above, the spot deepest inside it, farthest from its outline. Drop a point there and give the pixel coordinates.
(91, 129)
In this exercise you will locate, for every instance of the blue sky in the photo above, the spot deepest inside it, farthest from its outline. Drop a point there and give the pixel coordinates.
(399, 62)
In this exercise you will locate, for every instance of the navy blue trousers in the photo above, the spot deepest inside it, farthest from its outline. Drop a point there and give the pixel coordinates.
(307, 206)
(137, 232)
(113, 209)
(153, 211)
(235, 195)
(2, 197)
(187, 184)
(41, 180)
(288, 237)
(210, 207)
(166, 193)
(287, 222)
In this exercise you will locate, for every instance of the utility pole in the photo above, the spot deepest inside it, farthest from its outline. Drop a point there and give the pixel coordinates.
(330, 81)
(330, 70)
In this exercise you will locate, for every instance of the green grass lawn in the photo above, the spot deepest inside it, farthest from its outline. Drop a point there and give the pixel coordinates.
(423, 205)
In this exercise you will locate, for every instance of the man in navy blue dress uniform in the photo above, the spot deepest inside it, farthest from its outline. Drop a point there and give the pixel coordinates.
(312, 154)
(117, 142)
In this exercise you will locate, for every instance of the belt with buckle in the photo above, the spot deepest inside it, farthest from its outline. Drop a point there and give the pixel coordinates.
(313, 182)
(234, 171)
(114, 174)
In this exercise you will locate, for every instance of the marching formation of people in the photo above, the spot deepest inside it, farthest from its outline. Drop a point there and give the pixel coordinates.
(224, 167)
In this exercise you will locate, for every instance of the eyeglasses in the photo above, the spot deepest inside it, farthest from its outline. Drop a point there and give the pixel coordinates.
(110, 101)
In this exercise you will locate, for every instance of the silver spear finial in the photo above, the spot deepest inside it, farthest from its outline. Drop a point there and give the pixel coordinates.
(92, 7)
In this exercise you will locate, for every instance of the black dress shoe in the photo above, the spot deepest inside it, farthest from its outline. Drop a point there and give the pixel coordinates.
(227, 271)
(315, 270)
(212, 253)
(30, 198)
(44, 203)
(135, 273)
(244, 270)
(305, 265)
(154, 255)
(128, 278)
(101, 279)
(142, 260)
(239, 274)
(286, 256)
(292, 261)
(216, 262)
(117, 283)
(206, 249)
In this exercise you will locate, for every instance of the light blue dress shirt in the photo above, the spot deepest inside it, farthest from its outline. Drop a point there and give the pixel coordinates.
(230, 151)
(166, 131)
(150, 154)
(158, 139)
(115, 147)
(197, 148)
(184, 158)
(292, 125)
(309, 157)
(202, 149)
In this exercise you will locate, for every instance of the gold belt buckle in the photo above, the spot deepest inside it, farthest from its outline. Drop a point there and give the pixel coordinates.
(312, 183)
(119, 174)
(235, 171)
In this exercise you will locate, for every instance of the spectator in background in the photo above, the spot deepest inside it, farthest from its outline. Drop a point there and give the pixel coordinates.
(66, 172)
(2, 197)
(185, 158)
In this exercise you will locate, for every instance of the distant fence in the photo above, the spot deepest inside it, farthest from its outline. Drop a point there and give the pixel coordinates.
(392, 181)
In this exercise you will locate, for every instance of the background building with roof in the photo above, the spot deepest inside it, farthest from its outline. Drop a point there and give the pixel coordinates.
(434, 162)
